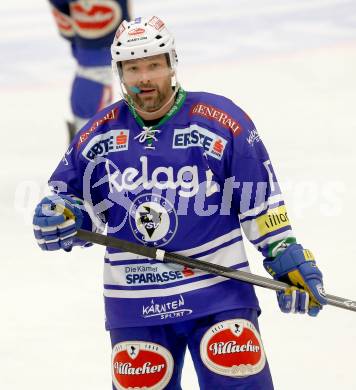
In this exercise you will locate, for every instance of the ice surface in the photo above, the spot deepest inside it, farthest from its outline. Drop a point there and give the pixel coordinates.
(291, 66)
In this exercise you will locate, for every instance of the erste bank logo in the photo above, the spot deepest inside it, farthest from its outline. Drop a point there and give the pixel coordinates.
(103, 144)
(213, 144)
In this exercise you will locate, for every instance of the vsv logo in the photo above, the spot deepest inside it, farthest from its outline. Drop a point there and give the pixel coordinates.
(103, 144)
(213, 144)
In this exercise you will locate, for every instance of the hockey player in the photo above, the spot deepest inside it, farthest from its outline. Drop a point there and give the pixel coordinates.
(182, 171)
(90, 26)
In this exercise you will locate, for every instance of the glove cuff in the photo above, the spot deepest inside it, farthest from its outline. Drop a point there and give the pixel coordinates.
(74, 206)
(290, 259)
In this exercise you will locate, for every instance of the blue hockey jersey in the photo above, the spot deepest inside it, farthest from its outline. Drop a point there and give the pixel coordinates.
(205, 176)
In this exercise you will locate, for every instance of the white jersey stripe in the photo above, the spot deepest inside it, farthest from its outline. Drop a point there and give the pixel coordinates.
(187, 252)
(273, 238)
(123, 256)
(212, 244)
(263, 206)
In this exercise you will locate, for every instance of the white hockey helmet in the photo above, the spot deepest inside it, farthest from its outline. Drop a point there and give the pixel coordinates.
(142, 37)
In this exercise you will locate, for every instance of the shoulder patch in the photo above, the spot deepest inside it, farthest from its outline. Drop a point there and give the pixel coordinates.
(217, 115)
(113, 114)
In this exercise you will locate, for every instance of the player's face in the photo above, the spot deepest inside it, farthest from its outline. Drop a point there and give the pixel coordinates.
(152, 75)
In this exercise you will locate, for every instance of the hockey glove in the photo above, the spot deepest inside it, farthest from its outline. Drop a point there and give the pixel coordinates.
(296, 266)
(56, 221)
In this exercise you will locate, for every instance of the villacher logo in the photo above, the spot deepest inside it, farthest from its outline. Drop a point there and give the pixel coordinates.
(141, 365)
(94, 19)
(233, 348)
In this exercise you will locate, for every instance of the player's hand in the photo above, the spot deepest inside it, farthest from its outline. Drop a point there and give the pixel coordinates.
(56, 221)
(296, 266)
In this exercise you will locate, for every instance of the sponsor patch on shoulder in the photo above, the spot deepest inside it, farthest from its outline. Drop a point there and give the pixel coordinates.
(217, 115)
(141, 365)
(253, 137)
(113, 114)
(233, 348)
(103, 144)
(195, 135)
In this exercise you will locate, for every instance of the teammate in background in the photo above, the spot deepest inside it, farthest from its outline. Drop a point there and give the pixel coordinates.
(90, 26)
(182, 171)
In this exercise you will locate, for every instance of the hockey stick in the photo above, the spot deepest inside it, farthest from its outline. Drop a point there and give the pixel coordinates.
(215, 269)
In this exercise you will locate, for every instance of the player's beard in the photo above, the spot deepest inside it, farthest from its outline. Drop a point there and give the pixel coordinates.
(155, 101)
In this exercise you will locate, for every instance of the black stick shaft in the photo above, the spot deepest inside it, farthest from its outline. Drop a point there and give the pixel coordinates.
(215, 269)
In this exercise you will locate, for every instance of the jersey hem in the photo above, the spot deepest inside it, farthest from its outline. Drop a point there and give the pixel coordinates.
(134, 324)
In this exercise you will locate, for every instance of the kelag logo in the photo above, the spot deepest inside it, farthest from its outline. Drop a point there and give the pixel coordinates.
(213, 144)
(103, 144)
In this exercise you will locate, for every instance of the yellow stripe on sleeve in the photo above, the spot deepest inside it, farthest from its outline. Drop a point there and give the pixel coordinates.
(274, 219)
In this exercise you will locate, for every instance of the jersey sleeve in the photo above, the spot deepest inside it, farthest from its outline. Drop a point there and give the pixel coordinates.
(71, 178)
(256, 192)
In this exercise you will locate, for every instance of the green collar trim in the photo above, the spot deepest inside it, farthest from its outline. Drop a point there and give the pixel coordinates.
(180, 99)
